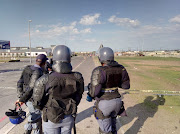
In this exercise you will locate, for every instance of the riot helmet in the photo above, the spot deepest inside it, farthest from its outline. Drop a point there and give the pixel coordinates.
(62, 53)
(106, 54)
(16, 117)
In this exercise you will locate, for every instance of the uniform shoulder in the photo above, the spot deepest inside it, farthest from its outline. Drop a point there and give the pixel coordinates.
(122, 67)
(28, 66)
(28, 69)
(37, 70)
(78, 75)
(97, 69)
(43, 79)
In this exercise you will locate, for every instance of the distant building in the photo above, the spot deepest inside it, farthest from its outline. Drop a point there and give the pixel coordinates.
(129, 53)
(25, 52)
(15, 48)
(163, 53)
(24, 48)
(39, 47)
(117, 54)
(39, 50)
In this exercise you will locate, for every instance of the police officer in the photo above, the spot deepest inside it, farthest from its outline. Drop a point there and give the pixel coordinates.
(59, 93)
(105, 81)
(25, 87)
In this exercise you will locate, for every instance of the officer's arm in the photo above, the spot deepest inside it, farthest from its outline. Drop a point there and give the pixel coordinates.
(95, 85)
(35, 76)
(27, 95)
(125, 79)
(80, 89)
(39, 90)
(20, 86)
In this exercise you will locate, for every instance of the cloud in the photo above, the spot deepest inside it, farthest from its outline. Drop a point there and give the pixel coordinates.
(74, 23)
(39, 26)
(58, 31)
(124, 21)
(90, 40)
(147, 30)
(71, 29)
(176, 19)
(90, 20)
(37, 31)
(152, 33)
(151, 29)
(87, 30)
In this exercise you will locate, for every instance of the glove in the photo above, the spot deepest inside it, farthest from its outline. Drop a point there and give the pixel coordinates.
(89, 98)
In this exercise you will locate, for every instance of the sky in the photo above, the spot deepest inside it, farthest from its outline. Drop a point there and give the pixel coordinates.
(83, 25)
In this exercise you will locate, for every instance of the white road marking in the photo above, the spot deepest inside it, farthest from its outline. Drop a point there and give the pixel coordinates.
(8, 87)
(119, 124)
(78, 65)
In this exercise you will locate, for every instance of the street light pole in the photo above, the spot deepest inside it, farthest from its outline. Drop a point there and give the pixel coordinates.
(30, 42)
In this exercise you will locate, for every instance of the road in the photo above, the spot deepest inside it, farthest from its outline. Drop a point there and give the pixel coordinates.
(139, 120)
(10, 73)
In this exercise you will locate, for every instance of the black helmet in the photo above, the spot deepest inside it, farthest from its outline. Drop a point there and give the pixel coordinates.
(106, 54)
(62, 53)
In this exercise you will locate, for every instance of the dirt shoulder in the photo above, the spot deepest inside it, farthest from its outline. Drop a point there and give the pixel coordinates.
(148, 120)
(148, 113)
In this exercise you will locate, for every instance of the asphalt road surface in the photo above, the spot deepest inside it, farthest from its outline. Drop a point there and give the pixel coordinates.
(139, 120)
(10, 74)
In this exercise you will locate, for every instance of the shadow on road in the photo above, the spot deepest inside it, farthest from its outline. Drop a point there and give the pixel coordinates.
(84, 114)
(10, 70)
(142, 112)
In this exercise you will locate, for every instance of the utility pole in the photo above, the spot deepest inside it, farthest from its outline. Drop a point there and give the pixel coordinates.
(30, 42)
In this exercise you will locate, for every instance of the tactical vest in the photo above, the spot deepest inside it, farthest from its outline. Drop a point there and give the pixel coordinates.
(63, 88)
(113, 81)
(113, 76)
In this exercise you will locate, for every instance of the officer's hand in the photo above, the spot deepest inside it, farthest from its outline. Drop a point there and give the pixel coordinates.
(89, 98)
(19, 103)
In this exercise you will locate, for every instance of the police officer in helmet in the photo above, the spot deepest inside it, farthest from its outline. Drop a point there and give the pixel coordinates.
(105, 81)
(59, 93)
(25, 87)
